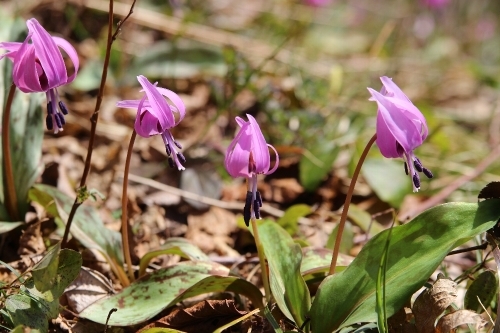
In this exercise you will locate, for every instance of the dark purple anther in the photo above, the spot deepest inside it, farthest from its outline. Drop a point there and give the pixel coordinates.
(406, 168)
(181, 157)
(416, 181)
(168, 150)
(171, 162)
(63, 108)
(49, 123)
(61, 118)
(50, 109)
(247, 210)
(258, 198)
(177, 144)
(256, 209)
(58, 120)
(428, 173)
(418, 164)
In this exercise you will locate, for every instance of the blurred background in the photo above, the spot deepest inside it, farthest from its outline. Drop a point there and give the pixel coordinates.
(302, 69)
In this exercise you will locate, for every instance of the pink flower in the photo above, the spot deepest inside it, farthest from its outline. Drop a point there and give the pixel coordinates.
(401, 128)
(435, 3)
(318, 3)
(39, 67)
(156, 116)
(247, 156)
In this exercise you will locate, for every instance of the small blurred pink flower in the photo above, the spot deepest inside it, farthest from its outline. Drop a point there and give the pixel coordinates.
(247, 156)
(401, 128)
(318, 3)
(39, 67)
(435, 3)
(156, 116)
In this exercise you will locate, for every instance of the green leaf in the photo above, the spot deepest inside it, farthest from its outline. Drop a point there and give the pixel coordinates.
(287, 285)
(483, 287)
(416, 250)
(44, 272)
(290, 220)
(87, 226)
(149, 295)
(174, 245)
(347, 240)
(387, 179)
(23, 310)
(315, 164)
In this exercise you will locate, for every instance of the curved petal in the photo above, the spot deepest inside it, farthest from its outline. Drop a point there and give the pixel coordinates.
(138, 126)
(71, 52)
(386, 142)
(24, 71)
(48, 54)
(392, 90)
(259, 147)
(176, 101)
(402, 128)
(11, 47)
(412, 112)
(129, 103)
(238, 153)
(240, 121)
(159, 106)
(276, 163)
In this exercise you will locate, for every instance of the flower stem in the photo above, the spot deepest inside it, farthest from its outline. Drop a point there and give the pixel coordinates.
(345, 209)
(126, 246)
(95, 116)
(262, 260)
(10, 195)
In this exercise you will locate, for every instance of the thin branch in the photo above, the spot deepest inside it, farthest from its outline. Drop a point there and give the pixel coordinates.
(95, 116)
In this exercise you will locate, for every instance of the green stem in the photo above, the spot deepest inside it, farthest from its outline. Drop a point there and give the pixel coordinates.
(262, 259)
(10, 195)
(126, 246)
(345, 209)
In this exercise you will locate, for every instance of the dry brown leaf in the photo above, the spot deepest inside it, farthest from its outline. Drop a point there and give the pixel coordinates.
(398, 323)
(432, 302)
(31, 241)
(89, 287)
(449, 322)
(205, 316)
(211, 231)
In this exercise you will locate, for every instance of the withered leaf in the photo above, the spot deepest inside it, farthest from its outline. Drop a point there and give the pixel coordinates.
(432, 302)
(461, 317)
(205, 316)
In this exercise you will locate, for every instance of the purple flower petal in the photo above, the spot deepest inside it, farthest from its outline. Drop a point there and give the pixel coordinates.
(159, 106)
(71, 52)
(259, 147)
(177, 102)
(49, 56)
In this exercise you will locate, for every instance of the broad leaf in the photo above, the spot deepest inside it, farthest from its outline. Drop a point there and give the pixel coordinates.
(481, 292)
(416, 250)
(290, 221)
(287, 285)
(174, 245)
(44, 272)
(315, 165)
(87, 226)
(149, 295)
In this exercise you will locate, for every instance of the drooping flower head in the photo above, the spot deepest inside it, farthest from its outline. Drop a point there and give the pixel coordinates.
(156, 116)
(247, 156)
(39, 67)
(401, 128)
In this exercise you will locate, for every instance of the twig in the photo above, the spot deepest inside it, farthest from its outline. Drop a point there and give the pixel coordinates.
(439, 197)
(95, 116)
(345, 209)
(231, 205)
(10, 196)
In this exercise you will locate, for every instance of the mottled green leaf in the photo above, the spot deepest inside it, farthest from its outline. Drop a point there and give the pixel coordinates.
(174, 245)
(317, 261)
(87, 226)
(287, 285)
(44, 272)
(23, 310)
(416, 250)
(483, 287)
(163, 288)
(315, 165)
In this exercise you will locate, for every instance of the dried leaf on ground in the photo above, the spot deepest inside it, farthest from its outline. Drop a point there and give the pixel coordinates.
(89, 287)
(205, 316)
(432, 302)
(452, 320)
